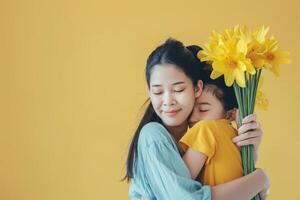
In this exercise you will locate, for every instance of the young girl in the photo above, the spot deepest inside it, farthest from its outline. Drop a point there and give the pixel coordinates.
(155, 168)
(208, 144)
(210, 154)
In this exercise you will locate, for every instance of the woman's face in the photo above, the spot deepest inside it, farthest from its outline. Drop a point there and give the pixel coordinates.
(172, 94)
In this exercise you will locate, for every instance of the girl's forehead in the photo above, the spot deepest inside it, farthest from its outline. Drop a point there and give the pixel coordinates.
(167, 74)
(206, 96)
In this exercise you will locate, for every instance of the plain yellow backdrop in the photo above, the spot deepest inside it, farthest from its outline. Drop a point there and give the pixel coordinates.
(72, 82)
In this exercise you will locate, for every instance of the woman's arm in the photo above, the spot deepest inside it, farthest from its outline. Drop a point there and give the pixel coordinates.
(168, 177)
(160, 167)
(194, 160)
(243, 188)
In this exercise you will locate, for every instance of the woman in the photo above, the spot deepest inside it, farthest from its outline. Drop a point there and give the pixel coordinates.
(155, 168)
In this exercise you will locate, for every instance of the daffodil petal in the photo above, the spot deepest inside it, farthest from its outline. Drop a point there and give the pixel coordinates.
(250, 68)
(215, 74)
(229, 79)
(240, 78)
(242, 47)
(219, 66)
(242, 66)
(282, 56)
(276, 70)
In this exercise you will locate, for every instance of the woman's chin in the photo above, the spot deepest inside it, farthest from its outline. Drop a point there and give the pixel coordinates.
(173, 121)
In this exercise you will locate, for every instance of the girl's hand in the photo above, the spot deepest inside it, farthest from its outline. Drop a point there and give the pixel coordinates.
(249, 132)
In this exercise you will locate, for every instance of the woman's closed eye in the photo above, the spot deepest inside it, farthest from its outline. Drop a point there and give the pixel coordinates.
(160, 92)
(181, 90)
(157, 93)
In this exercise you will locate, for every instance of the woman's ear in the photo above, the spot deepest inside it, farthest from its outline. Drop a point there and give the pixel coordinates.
(231, 114)
(198, 88)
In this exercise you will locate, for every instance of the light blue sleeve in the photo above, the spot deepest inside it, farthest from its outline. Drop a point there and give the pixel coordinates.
(164, 171)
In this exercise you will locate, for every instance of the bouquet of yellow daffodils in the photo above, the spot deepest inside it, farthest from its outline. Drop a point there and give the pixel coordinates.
(240, 55)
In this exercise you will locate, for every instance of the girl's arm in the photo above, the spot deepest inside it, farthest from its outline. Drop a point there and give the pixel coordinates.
(194, 160)
(243, 188)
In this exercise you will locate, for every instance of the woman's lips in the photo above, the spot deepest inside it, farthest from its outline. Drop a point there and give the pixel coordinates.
(171, 112)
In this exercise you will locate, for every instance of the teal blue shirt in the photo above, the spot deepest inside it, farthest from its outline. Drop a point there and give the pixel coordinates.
(159, 171)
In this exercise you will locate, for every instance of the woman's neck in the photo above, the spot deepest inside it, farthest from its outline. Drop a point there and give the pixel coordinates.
(178, 131)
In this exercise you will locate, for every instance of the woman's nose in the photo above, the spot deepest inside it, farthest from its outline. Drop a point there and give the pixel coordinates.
(168, 99)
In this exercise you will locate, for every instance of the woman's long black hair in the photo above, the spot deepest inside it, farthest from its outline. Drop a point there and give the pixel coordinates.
(170, 52)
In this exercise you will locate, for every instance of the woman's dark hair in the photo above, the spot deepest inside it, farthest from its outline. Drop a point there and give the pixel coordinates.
(185, 59)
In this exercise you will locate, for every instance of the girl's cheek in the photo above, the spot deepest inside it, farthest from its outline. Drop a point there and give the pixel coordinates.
(194, 117)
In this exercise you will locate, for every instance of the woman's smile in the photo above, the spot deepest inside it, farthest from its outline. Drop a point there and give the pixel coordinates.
(171, 113)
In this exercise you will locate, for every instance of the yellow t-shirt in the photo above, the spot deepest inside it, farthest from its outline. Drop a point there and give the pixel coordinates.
(214, 139)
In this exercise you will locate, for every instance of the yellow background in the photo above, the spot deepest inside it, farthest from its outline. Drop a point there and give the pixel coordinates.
(72, 82)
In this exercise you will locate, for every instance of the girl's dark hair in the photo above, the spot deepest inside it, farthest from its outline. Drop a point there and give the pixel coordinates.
(226, 94)
(223, 93)
(185, 59)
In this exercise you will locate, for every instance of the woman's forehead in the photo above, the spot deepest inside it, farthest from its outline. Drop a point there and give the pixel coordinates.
(168, 74)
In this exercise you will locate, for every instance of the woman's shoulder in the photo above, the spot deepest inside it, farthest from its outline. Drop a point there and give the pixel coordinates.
(154, 133)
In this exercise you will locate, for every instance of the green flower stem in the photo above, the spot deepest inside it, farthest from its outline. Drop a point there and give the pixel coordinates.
(246, 102)
(251, 85)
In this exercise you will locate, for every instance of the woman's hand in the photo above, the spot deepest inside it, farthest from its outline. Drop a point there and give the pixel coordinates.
(264, 194)
(249, 132)
(266, 191)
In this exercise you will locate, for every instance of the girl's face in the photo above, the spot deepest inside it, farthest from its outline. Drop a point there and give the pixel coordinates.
(207, 107)
(172, 94)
